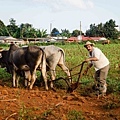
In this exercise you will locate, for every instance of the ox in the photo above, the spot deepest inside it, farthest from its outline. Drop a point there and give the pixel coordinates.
(106, 42)
(26, 59)
(4, 60)
(55, 56)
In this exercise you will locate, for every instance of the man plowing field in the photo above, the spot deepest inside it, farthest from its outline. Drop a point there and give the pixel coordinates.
(101, 65)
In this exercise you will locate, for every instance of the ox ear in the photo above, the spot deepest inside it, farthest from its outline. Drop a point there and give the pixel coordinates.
(25, 67)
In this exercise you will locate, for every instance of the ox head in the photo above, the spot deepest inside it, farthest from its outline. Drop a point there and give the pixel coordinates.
(4, 63)
(2, 54)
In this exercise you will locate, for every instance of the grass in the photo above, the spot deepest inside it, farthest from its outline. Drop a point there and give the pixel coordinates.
(75, 115)
(113, 103)
(75, 54)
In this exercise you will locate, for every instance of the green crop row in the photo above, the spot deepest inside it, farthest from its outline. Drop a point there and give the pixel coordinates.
(75, 54)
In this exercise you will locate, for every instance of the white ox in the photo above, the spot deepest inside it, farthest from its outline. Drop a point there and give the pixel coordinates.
(55, 56)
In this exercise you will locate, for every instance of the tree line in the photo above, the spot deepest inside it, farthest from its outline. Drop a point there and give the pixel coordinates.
(26, 30)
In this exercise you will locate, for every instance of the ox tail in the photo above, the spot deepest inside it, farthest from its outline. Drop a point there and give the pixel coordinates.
(43, 59)
(43, 68)
(64, 67)
(62, 54)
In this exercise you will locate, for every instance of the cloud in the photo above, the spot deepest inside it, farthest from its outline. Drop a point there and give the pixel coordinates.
(90, 4)
(61, 5)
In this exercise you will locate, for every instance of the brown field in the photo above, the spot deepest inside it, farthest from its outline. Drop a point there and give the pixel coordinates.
(82, 104)
(38, 104)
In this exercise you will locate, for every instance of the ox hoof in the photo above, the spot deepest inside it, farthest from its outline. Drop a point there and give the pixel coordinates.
(14, 86)
(27, 87)
(69, 90)
(30, 88)
(53, 89)
(46, 88)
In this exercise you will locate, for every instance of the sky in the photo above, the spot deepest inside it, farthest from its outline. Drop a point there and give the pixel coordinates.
(60, 14)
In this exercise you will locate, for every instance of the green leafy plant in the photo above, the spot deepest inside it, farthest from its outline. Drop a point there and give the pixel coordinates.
(75, 115)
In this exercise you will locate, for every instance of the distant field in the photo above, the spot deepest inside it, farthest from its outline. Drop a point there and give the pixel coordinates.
(75, 54)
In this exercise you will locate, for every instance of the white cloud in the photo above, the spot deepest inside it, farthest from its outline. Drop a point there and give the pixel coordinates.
(90, 4)
(61, 5)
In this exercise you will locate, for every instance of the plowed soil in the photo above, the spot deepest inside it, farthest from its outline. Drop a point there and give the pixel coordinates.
(38, 104)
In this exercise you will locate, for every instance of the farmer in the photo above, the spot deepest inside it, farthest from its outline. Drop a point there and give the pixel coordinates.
(101, 65)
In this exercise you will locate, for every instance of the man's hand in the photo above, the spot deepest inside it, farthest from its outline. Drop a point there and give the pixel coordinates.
(87, 68)
(87, 60)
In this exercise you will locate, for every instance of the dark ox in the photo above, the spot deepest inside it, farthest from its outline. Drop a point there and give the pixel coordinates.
(26, 59)
(4, 60)
(55, 56)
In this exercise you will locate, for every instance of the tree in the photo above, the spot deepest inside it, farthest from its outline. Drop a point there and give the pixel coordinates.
(55, 32)
(92, 32)
(3, 29)
(27, 31)
(76, 33)
(65, 33)
(107, 30)
(12, 28)
(100, 30)
(41, 33)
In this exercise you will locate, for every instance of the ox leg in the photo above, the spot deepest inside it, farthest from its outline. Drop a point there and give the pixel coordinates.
(14, 78)
(26, 82)
(17, 80)
(33, 78)
(43, 70)
(53, 75)
(27, 78)
(66, 70)
(44, 75)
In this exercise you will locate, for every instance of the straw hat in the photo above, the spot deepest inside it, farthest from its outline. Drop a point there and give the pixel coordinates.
(89, 43)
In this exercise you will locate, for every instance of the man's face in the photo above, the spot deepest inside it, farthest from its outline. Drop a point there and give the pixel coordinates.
(89, 48)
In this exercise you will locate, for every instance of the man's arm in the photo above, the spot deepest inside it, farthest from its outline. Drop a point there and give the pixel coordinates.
(91, 59)
(87, 68)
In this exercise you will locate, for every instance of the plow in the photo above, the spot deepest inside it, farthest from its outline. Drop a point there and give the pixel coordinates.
(72, 86)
